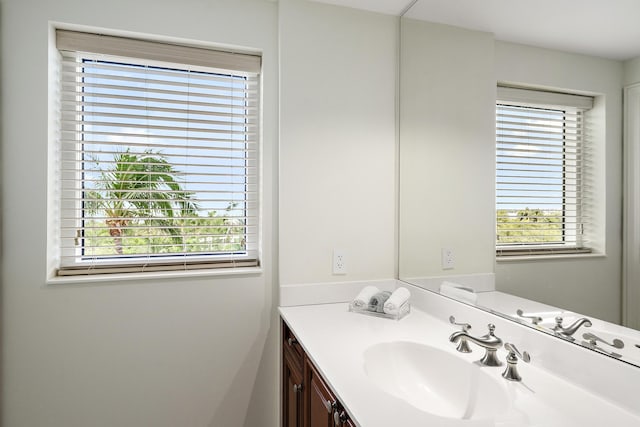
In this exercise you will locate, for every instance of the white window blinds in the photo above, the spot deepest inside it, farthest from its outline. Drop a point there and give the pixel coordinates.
(542, 191)
(158, 158)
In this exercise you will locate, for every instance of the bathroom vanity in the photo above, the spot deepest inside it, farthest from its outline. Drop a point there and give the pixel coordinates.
(307, 400)
(341, 368)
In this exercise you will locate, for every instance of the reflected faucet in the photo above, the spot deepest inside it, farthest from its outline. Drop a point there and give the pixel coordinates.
(592, 342)
(568, 331)
(534, 319)
(489, 342)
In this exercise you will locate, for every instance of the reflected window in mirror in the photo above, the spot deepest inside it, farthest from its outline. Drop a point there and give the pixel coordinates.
(542, 173)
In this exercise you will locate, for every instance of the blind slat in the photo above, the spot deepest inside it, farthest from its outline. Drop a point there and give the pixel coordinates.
(100, 106)
(71, 99)
(184, 129)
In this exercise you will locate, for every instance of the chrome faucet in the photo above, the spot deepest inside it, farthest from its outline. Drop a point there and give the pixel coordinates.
(568, 331)
(489, 342)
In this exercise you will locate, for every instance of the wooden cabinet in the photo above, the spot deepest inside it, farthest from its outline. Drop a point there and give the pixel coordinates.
(307, 401)
(292, 380)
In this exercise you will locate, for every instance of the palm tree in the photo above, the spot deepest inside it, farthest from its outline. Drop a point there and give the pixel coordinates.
(139, 187)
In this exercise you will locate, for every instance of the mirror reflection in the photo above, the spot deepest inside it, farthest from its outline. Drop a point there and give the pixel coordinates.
(511, 181)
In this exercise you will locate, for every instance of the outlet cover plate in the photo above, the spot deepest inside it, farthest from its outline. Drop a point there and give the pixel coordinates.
(339, 261)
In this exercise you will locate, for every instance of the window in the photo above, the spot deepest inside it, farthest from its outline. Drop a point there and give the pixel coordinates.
(157, 156)
(542, 179)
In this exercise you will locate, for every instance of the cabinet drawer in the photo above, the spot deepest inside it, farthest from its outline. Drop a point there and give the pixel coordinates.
(291, 345)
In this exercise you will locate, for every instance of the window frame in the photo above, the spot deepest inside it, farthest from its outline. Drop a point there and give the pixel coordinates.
(527, 98)
(138, 52)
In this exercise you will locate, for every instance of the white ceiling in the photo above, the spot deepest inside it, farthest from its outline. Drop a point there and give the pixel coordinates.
(606, 28)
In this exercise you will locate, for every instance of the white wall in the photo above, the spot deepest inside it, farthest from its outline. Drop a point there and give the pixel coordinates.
(632, 71)
(447, 150)
(173, 352)
(587, 285)
(337, 142)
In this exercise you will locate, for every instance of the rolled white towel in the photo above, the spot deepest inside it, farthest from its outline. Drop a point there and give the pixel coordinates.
(396, 300)
(376, 303)
(363, 298)
(458, 292)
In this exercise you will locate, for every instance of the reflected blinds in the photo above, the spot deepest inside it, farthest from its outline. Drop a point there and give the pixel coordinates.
(158, 160)
(542, 182)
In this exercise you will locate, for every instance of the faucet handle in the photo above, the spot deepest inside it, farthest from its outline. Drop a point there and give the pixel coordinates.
(592, 343)
(463, 345)
(491, 333)
(534, 319)
(559, 321)
(514, 352)
(511, 373)
(593, 339)
(558, 329)
(465, 326)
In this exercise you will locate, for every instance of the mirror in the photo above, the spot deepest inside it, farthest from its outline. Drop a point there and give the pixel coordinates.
(448, 79)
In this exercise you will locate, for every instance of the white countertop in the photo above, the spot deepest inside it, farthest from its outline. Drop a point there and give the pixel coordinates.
(335, 340)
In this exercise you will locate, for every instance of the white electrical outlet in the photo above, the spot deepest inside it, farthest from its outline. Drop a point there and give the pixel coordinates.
(339, 262)
(448, 259)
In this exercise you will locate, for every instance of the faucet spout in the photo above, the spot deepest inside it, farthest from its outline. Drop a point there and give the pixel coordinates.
(490, 342)
(571, 329)
(486, 341)
(457, 336)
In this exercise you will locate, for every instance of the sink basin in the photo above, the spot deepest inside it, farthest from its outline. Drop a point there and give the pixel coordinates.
(435, 381)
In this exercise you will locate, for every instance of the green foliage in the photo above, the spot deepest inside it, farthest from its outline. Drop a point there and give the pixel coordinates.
(529, 226)
(202, 235)
(139, 207)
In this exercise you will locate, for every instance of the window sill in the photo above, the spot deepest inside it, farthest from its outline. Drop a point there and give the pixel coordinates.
(549, 257)
(130, 277)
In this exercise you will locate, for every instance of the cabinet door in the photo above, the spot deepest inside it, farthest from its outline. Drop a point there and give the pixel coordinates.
(292, 388)
(292, 380)
(320, 405)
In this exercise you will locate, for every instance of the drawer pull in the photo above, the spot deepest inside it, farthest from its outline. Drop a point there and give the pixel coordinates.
(330, 406)
(343, 417)
(292, 341)
(336, 418)
(297, 388)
